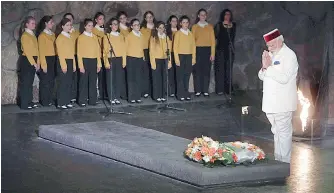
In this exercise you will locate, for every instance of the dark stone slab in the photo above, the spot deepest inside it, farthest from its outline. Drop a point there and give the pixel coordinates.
(157, 152)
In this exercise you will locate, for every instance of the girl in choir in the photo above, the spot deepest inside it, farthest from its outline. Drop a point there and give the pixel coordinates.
(65, 51)
(159, 44)
(171, 28)
(225, 32)
(185, 56)
(89, 62)
(29, 62)
(123, 23)
(74, 35)
(98, 30)
(134, 61)
(114, 60)
(205, 53)
(47, 57)
(146, 27)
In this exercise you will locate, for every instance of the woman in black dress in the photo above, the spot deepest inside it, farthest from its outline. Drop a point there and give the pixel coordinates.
(225, 31)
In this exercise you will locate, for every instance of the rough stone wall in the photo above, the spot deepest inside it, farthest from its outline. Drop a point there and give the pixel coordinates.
(302, 24)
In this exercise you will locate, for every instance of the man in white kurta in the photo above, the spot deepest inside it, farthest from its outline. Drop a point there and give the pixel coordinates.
(279, 74)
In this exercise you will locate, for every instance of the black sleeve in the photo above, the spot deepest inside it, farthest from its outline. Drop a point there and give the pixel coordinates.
(234, 31)
(217, 29)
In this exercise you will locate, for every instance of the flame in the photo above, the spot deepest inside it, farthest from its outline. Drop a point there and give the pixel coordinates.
(305, 106)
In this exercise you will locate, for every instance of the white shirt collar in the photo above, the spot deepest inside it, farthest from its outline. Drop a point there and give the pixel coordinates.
(174, 29)
(202, 24)
(114, 33)
(29, 31)
(66, 34)
(123, 26)
(163, 36)
(89, 34)
(72, 30)
(150, 26)
(136, 34)
(47, 31)
(99, 28)
(186, 32)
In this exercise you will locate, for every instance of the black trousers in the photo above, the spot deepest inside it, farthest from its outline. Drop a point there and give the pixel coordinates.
(222, 71)
(101, 82)
(47, 81)
(87, 82)
(65, 83)
(146, 75)
(159, 79)
(117, 79)
(172, 77)
(202, 69)
(134, 68)
(27, 75)
(75, 80)
(183, 73)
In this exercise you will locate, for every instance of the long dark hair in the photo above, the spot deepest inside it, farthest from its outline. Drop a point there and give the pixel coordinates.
(59, 28)
(222, 15)
(41, 26)
(97, 15)
(109, 23)
(155, 32)
(169, 26)
(198, 12)
(132, 21)
(144, 22)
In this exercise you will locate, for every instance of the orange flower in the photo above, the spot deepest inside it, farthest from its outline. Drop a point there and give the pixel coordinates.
(212, 152)
(220, 152)
(235, 158)
(260, 156)
(205, 150)
(198, 156)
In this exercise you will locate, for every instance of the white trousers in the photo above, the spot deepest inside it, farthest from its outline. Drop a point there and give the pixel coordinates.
(281, 127)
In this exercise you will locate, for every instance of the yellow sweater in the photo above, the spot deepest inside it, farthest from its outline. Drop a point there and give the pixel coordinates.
(65, 50)
(88, 47)
(46, 44)
(184, 44)
(134, 45)
(204, 37)
(29, 47)
(146, 36)
(75, 34)
(158, 50)
(124, 32)
(100, 35)
(118, 44)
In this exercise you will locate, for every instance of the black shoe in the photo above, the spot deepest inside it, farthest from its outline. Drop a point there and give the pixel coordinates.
(163, 99)
(69, 106)
(182, 99)
(188, 98)
(172, 95)
(138, 101)
(132, 102)
(82, 105)
(220, 93)
(34, 105)
(206, 94)
(146, 95)
(117, 102)
(62, 107)
(198, 94)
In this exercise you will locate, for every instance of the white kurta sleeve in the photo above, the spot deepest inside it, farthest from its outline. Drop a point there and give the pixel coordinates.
(261, 74)
(290, 69)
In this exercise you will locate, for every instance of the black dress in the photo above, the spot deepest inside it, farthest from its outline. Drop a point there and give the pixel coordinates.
(222, 64)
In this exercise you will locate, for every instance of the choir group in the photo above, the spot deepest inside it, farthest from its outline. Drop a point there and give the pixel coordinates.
(137, 58)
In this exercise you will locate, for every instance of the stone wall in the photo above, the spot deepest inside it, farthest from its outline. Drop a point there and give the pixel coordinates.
(302, 24)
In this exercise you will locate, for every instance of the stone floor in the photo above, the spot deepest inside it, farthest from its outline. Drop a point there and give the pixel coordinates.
(30, 164)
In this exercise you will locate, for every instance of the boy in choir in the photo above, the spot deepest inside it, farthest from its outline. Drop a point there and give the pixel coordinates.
(159, 43)
(114, 53)
(98, 31)
(146, 27)
(185, 57)
(65, 51)
(47, 56)
(29, 62)
(134, 61)
(74, 35)
(89, 59)
(205, 53)
(171, 28)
